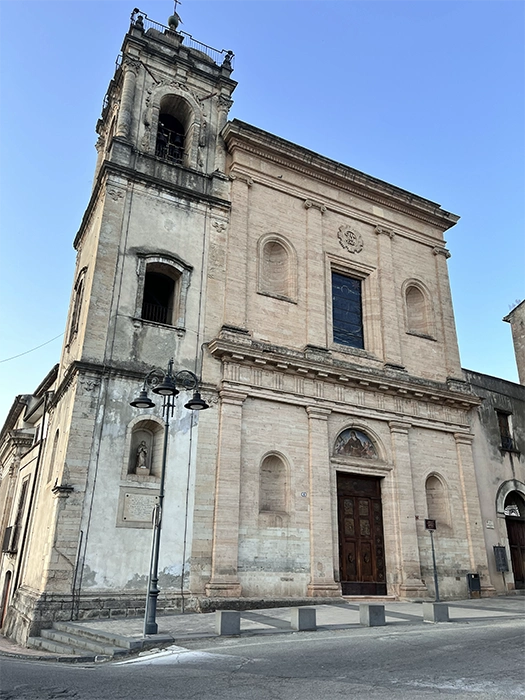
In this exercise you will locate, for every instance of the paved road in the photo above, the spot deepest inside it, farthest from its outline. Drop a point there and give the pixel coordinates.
(478, 660)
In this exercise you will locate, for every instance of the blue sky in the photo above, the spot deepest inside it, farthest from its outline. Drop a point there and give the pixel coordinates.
(426, 95)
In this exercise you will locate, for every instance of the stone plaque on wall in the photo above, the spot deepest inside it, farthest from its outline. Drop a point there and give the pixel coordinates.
(136, 507)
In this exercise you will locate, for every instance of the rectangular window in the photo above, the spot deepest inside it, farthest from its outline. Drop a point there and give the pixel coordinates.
(505, 431)
(347, 315)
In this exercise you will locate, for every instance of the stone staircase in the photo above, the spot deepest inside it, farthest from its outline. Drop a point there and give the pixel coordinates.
(74, 639)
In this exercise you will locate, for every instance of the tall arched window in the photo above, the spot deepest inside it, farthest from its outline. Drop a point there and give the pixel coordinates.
(437, 501)
(78, 298)
(277, 268)
(174, 117)
(272, 485)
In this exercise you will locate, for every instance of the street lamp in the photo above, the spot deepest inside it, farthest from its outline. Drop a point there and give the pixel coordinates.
(164, 384)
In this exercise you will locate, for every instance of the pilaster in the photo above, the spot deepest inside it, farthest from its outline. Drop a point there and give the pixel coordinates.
(470, 499)
(322, 581)
(450, 341)
(236, 266)
(388, 295)
(315, 286)
(224, 580)
(408, 564)
(130, 68)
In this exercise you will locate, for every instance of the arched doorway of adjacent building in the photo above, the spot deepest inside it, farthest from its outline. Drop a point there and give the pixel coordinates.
(5, 597)
(361, 542)
(515, 521)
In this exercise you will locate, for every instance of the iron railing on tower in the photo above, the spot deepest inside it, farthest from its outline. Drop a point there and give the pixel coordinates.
(216, 55)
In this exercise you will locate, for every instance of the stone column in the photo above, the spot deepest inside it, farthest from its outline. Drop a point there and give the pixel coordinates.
(315, 283)
(389, 298)
(446, 311)
(236, 264)
(409, 564)
(471, 508)
(225, 546)
(322, 581)
(130, 68)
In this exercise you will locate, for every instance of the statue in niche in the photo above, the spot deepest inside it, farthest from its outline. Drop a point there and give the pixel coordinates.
(354, 443)
(141, 462)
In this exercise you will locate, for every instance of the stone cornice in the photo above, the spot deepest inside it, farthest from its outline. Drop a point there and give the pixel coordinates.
(325, 369)
(239, 135)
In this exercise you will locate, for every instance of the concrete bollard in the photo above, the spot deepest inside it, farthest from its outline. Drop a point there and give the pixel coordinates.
(371, 615)
(303, 619)
(435, 612)
(227, 622)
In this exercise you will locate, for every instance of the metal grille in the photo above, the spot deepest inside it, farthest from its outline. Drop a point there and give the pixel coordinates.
(154, 312)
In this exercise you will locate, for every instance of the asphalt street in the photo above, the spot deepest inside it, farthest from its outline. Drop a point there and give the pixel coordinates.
(476, 660)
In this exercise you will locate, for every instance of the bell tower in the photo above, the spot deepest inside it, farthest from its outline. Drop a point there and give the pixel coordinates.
(137, 302)
(160, 167)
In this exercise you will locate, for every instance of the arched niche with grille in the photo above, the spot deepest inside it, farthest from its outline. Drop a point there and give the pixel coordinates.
(438, 508)
(174, 130)
(277, 268)
(273, 478)
(162, 290)
(145, 449)
(418, 309)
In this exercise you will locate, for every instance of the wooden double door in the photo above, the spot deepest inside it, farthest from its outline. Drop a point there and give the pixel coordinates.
(361, 541)
(516, 533)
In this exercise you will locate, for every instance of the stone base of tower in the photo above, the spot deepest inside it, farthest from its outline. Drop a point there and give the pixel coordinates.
(31, 611)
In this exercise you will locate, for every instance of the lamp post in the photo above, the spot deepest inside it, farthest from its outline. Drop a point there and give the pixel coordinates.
(163, 384)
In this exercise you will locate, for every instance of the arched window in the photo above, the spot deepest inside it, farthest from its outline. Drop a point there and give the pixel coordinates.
(145, 449)
(277, 273)
(272, 485)
(161, 289)
(437, 501)
(78, 297)
(174, 117)
(51, 467)
(163, 283)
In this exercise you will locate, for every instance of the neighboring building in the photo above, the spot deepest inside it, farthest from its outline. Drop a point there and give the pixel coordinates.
(499, 456)
(22, 442)
(314, 302)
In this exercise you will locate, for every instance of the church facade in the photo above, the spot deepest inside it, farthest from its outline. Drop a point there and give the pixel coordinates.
(313, 303)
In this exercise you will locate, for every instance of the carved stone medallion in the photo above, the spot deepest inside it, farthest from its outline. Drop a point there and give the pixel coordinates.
(350, 239)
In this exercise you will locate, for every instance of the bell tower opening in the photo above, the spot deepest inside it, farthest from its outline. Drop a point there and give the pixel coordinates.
(172, 131)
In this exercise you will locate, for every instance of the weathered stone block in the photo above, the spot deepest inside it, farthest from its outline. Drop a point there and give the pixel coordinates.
(303, 618)
(371, 615)
(435, 612)
(227, 622)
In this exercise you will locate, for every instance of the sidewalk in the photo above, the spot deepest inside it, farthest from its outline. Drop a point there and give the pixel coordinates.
(345, 615)
(338, 616)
